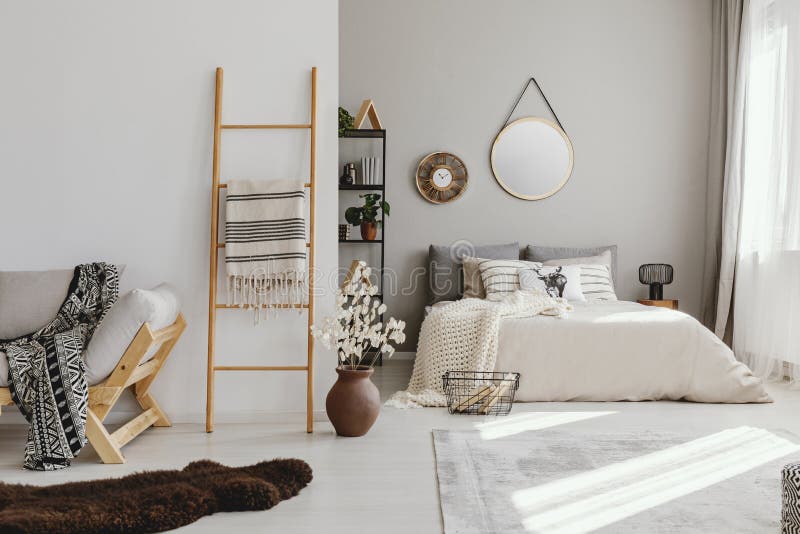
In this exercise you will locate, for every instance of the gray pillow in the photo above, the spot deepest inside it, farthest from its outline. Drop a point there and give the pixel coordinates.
(444, 266)
(30, 299)
(543, 254)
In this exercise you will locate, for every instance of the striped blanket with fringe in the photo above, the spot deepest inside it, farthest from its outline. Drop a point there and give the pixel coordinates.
(265, 243)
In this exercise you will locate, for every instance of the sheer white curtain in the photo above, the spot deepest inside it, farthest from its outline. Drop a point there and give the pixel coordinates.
(766, 304)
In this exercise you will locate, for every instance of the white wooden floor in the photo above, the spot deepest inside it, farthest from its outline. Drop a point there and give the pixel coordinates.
(384, 482)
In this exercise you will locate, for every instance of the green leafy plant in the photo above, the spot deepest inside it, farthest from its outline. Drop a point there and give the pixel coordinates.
(369, 211)
(346, 121)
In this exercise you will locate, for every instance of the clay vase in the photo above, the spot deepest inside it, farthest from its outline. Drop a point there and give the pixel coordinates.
(369, 230)
(353, 403)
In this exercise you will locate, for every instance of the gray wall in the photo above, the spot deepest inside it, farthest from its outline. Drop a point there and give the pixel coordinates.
(629, 80)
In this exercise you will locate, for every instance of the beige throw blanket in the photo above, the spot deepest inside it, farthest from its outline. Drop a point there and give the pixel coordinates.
(463, 337)
(265, 243)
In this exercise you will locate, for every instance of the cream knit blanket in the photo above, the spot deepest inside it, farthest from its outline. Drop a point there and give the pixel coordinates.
(463, 337)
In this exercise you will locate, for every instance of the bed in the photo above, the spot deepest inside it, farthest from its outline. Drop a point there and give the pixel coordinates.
(618, 350)
(602, 350)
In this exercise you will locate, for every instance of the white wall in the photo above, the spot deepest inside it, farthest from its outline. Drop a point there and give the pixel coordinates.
(629, 80)
(106, 140)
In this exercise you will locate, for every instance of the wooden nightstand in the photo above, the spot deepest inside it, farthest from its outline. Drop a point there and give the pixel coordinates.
(671, 304)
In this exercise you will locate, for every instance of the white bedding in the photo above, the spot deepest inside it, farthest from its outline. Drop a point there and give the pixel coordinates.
(612, 351)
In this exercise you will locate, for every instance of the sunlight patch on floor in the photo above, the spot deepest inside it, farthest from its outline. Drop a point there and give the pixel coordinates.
(591, 500)
(523, 422)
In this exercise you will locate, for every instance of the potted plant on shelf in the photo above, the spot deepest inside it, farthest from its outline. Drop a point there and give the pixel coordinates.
(345, 121)
(353, 403)
(367, 215)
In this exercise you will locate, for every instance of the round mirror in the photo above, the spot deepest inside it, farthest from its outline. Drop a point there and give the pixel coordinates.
(532, 158)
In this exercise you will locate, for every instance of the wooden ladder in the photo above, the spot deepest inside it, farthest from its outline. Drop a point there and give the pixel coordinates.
(216, 246)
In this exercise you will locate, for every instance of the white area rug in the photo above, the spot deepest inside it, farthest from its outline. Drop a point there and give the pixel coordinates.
(506, 478)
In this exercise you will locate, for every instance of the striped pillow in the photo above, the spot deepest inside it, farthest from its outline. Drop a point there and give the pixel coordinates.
(596, 282)
(501, 277)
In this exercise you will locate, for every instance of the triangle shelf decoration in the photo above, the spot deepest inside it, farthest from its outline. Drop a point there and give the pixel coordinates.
(351, 274)
(368, 111)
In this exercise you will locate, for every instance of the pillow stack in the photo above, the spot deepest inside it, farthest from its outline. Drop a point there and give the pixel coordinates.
(559, 281)
(493, 271)
(445, 266)
(595, 274)
(497, 278)
(590, 255)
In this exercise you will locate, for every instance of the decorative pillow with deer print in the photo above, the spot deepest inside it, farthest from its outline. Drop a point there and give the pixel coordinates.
(562, 281)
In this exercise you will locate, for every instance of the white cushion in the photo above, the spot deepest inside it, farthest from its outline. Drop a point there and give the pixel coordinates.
(546, 279)
(601, 259)
(596, 283)
(501, 277)
(159, 307)
(543, 254)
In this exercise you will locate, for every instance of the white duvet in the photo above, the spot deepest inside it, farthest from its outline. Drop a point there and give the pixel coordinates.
(613, 351)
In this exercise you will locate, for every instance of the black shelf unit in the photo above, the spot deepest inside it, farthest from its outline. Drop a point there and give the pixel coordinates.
(361, 187)
(371, 134)
(365, 134)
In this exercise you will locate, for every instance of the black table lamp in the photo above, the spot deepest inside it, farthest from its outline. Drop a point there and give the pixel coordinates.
(656, 275)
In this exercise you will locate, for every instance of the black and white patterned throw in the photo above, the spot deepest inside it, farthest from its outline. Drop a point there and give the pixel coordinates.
(46, 372)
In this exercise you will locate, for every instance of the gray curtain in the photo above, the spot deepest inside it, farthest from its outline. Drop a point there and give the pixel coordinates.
(716, 294)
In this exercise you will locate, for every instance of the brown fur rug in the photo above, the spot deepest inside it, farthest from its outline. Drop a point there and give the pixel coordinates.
(151, 501)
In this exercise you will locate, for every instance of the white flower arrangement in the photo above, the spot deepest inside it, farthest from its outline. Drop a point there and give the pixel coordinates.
(356, 327)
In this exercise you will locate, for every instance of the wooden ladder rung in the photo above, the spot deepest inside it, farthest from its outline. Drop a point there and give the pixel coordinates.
(225, 186)
(274, 306)
(222, 245)
(261, 368)
(265, 126)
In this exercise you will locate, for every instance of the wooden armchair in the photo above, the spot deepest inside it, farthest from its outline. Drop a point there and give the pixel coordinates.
(129, 373)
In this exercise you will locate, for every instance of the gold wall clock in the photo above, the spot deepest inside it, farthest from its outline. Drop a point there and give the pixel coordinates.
(441, 177)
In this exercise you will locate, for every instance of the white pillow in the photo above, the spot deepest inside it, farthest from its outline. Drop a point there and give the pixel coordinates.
(603, 258)
(501, 277)
(561, 281)
(597, 283)
(159, 307)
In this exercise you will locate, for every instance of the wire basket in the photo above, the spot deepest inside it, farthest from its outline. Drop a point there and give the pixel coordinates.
(480, 393)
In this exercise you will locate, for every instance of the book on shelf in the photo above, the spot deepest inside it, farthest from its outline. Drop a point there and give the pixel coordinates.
(371, 171)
